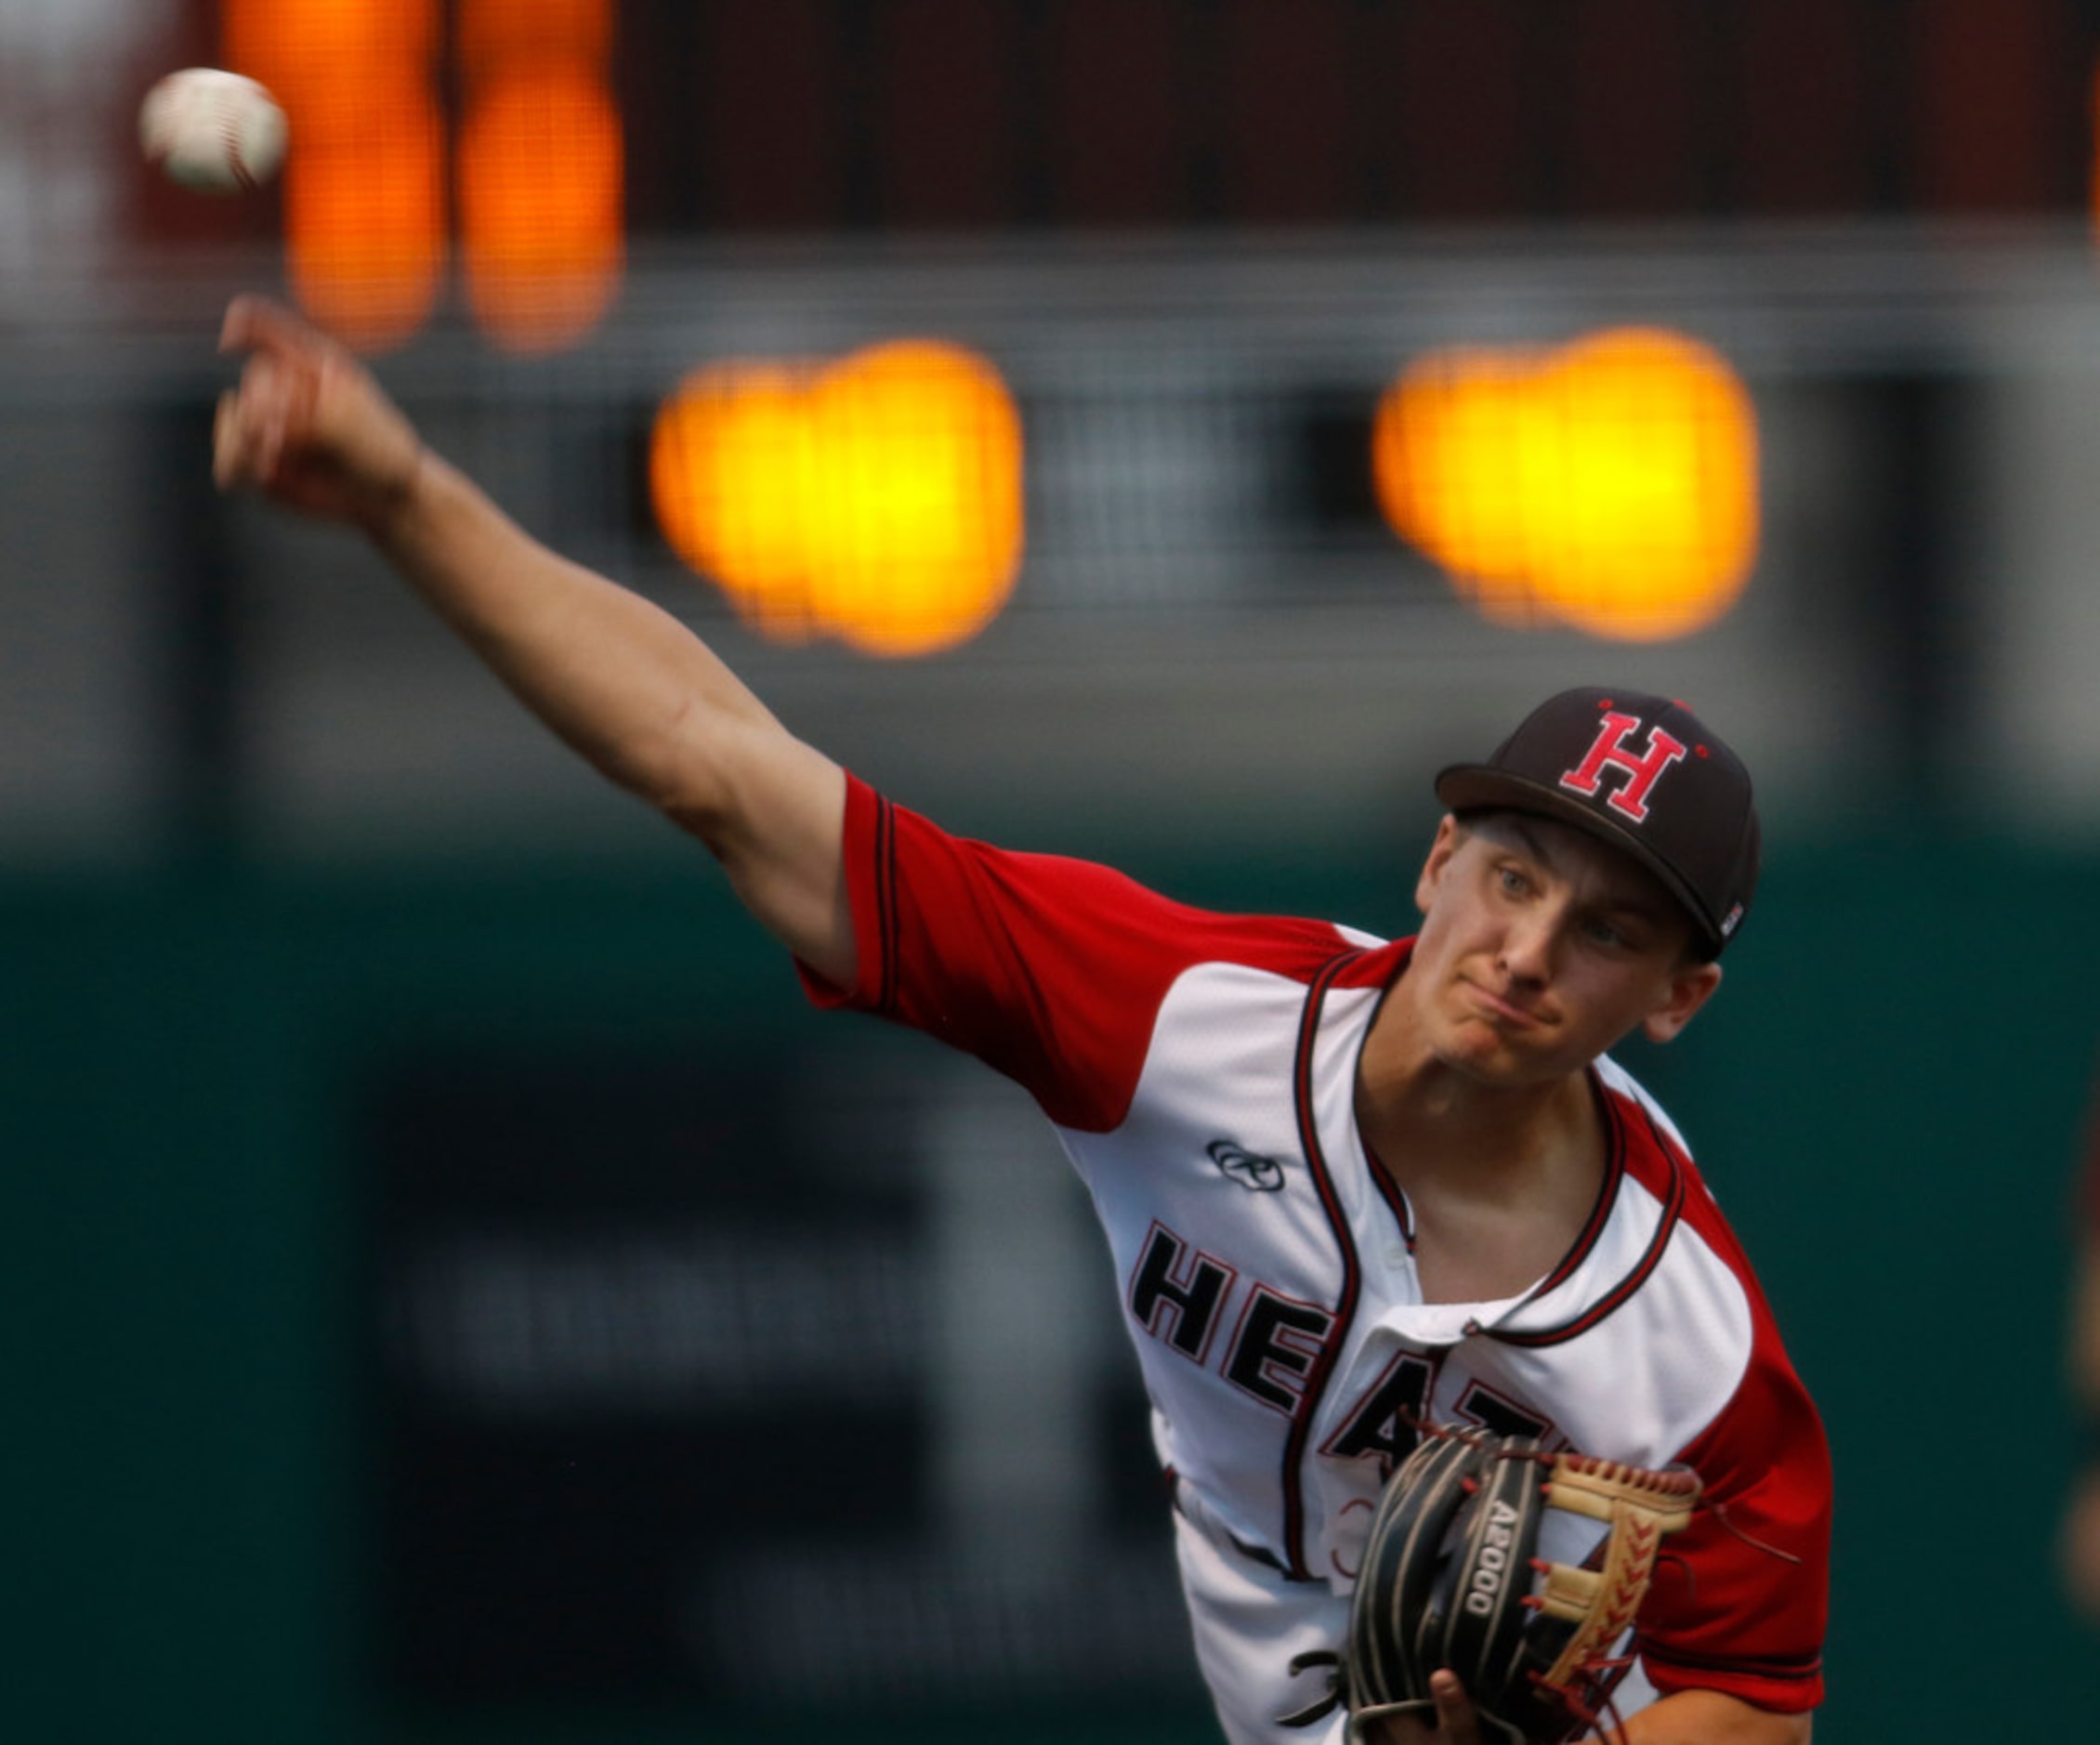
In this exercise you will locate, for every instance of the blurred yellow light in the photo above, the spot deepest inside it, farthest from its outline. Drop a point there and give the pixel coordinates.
(1611, 485)
(879, 501)
(733, 465)
(541, 172)
(364, 182)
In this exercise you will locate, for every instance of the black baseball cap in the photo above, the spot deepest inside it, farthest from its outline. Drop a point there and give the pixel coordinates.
(1648, 776)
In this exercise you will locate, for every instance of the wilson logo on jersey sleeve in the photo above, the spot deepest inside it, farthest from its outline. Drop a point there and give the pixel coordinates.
(1260, 1174)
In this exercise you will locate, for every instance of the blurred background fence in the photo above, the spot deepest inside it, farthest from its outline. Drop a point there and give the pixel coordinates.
(460, 1292)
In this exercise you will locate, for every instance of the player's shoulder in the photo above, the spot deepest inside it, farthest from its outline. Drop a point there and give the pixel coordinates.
(1296, 948)
(1111, 907)
(1297, 944)
(1653, 1153)
(1647, 1114)
(1652, 1150)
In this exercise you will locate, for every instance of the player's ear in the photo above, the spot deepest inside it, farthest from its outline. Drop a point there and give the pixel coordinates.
(1450, 833)
(1691, 985)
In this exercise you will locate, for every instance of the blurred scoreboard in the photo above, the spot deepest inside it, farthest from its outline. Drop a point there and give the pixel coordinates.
(746, 1379)
(537, 136)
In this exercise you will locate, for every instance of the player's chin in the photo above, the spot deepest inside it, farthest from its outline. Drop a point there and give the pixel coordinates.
(1518, 1054)
(1499, 1065)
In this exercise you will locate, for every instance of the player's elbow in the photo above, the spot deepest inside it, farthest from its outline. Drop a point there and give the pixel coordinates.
(674, 765)
(732, 779)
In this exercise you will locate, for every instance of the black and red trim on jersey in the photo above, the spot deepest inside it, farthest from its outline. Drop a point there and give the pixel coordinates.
(1673, 1202)
(884, 991)
(1763, 1666)
(1381, 1178)
(1322, 1369)
(1784, 1685)
(1608, 1191)
(1389, 1191)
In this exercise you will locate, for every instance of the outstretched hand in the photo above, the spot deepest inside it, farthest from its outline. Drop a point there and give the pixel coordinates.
(307, 426)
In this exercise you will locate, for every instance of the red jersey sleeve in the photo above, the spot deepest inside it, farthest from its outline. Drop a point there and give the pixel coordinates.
(1741, 1597)
(1049, 969)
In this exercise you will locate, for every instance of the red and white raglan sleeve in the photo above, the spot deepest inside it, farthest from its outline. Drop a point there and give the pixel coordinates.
(1050, 970)
(1741, 1597)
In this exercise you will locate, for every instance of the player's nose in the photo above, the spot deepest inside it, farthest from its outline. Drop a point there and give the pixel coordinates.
(1530, 944)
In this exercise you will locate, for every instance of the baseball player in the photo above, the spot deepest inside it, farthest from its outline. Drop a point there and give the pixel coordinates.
(1351, 1185)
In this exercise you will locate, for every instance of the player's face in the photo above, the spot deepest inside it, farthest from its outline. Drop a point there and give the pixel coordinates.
(1540, 946)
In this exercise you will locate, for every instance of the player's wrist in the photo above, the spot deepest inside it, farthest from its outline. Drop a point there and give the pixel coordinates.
(400, 495)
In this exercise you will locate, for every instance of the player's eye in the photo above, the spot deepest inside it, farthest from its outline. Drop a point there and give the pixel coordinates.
(1512, 880)
(1610, 935)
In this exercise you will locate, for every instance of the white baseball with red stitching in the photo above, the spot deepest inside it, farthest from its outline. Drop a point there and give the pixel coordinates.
(216, 132)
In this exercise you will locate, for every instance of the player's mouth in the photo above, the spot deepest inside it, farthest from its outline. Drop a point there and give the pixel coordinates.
(1501, 1008)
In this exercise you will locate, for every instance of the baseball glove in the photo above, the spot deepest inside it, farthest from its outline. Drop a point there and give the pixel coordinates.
(1451, 1578)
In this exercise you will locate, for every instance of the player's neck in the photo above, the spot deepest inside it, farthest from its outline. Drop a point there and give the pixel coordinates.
(1433, 1125)
(1500, 1180)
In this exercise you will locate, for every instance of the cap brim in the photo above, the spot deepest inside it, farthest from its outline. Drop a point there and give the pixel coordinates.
(1475, 787)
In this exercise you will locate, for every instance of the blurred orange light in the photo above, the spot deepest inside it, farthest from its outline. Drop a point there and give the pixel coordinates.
(879, 501)
(2093, 189)
(306, 43)
(540, 206)
(542, 169)
(1611, 485)
(364, 197)
(494, 32)
(364, 220)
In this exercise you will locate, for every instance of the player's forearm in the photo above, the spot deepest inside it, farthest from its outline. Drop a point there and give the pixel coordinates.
(618, 680)
(1706, 1717)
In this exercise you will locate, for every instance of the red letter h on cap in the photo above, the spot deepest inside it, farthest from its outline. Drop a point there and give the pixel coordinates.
(1610, 748)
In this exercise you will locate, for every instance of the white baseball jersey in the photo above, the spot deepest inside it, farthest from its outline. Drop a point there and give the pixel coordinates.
(1201, 1071)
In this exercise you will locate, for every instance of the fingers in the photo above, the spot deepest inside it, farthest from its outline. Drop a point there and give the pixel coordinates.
(257, 421)
(251, 426)
(256, 324)
(245, 445)
(1455, 1712)
(306, 423)
(229, 443)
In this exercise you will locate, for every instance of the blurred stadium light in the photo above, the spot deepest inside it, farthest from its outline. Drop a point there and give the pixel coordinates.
(541, 167)
(1201, 521)
(878, 500)
(366, 231)
(1611, 483)
(536, 160)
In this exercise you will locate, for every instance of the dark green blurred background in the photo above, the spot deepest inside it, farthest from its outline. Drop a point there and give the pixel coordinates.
(1886, 1102)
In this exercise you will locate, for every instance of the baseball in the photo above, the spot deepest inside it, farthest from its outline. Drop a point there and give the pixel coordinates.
(216, 132)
